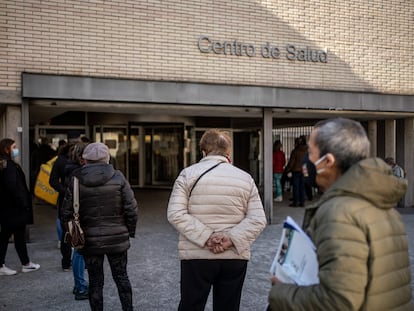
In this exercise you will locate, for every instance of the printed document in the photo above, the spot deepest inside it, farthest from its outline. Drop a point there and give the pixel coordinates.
(295, 261)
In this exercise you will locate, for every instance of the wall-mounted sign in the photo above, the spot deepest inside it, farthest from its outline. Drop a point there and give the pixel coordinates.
(267, 50)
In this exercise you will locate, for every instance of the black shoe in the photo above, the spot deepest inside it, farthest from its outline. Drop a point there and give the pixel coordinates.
(293, 205)
(74, 291)
(81, 295)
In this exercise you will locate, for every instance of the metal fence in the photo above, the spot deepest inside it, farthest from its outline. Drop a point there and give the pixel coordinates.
(288, 135)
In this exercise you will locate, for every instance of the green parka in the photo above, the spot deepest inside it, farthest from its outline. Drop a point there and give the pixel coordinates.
(361, 245)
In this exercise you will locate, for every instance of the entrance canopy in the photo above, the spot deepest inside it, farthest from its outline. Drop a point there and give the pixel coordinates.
(61, 93)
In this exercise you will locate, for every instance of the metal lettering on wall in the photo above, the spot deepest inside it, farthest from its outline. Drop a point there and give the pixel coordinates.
(267, 50)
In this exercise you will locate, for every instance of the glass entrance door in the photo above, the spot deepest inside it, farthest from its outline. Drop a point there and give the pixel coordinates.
(115, 138)
(166, 153)
(156, 153)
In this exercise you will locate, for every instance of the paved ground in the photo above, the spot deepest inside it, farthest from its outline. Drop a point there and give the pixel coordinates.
(153, 263)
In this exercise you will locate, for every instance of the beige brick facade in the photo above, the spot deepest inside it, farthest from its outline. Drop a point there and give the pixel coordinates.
(370, 43)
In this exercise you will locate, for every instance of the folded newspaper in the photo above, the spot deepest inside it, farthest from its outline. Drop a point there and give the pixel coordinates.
(295, 261)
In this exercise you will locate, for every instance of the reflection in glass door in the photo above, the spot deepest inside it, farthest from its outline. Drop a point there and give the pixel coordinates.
(134, 160)
(115, 139)
(163, 154)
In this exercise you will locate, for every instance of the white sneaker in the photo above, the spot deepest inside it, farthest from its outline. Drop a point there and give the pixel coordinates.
(30, 267)
(7, 271)
(279, 199)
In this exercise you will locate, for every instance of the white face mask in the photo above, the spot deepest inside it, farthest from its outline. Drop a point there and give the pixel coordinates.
(15, 153)
(317, 162)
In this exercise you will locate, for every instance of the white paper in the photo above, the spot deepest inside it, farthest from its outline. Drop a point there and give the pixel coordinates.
(295, 261)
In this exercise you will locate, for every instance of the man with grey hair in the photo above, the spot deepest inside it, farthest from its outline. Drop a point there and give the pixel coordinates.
(361, 242)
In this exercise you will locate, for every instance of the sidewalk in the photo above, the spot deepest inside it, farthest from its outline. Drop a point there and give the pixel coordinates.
(153, 263)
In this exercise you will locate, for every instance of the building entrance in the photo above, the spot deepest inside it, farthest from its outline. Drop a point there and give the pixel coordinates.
(147, 154)
(155, 154)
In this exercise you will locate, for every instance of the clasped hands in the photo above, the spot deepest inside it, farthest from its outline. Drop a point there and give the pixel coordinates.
(219, 242)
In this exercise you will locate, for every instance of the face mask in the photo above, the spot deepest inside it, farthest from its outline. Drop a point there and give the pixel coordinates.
(15, 153)
(317, 162)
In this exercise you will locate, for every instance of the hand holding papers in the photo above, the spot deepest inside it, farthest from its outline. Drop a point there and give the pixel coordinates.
(295, 261)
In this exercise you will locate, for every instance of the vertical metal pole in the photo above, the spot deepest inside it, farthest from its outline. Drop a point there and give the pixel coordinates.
(372, 136)
(390, 138)
(408, 164)
(267, 163)
(25, 139)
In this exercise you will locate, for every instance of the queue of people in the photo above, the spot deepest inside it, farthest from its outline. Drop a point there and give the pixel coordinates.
(299, 172)
(360, 240)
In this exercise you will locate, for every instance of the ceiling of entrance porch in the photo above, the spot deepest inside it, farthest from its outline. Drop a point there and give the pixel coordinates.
(41, 111)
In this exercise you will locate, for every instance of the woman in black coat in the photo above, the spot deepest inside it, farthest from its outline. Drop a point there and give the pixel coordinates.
(15, 209)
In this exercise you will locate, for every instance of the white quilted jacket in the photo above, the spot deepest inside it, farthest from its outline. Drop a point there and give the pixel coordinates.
(225, 199)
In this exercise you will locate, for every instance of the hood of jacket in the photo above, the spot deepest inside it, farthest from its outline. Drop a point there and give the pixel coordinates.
(372, 180)
(95, 174)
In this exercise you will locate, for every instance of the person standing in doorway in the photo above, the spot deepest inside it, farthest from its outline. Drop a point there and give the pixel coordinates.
(217, 210)
(39, 156)
(108, 217)
(16, 209)
(294, 166)
(279, 161)
(360, 239)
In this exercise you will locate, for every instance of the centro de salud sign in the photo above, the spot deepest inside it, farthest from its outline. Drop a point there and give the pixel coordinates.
(291, 51)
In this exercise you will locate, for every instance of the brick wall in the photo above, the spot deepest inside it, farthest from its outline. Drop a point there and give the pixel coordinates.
(370, 43)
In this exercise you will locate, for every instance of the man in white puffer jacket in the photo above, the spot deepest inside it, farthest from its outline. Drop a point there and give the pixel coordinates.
(218, 217)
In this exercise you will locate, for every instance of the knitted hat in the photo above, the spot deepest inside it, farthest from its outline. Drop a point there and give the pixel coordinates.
(98, 152)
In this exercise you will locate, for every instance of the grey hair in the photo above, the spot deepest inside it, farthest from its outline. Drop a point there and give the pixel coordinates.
(344, 138)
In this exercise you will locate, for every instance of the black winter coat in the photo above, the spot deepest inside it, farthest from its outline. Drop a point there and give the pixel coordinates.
(57, 177)
(15, 198)
(108, 209)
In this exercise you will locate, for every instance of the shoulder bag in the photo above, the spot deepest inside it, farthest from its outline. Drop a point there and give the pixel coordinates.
(75, 236)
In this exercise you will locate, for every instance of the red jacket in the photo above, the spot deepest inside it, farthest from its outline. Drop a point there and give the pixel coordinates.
(279, 161)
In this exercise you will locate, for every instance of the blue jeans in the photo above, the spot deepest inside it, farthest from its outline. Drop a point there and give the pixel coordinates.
(59, 230)
(277, 177)
(78, 268)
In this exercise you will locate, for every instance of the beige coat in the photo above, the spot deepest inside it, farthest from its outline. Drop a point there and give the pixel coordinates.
(225, 199)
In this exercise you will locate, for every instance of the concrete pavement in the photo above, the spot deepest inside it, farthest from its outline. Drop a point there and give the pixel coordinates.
(153, 265)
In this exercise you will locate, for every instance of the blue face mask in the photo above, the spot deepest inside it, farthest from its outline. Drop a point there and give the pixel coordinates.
(15, 152)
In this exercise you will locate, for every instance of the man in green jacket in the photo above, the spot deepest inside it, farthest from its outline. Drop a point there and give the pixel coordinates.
(361, 242)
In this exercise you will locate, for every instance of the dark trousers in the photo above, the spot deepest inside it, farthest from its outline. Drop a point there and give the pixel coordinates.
(118, 263)
(65, 250)
(19, 234)
(298, 188)
(226, 277)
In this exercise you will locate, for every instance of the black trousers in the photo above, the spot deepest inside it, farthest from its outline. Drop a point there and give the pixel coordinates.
(118, 263)
(65, 250)
(226, 277)
(19, 234)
